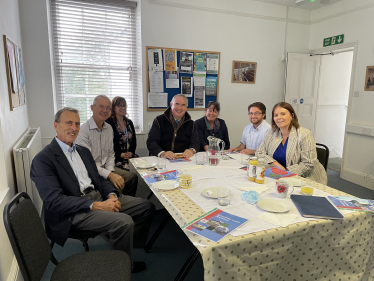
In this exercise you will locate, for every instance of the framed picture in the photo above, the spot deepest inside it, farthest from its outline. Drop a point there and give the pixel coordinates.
(243, 72)
(369, 79)
(15, 76)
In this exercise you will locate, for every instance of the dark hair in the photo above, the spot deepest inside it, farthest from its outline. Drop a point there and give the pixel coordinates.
(58, 113)
(260, 105)
(285, 105)
(118, 101)
(216, 106)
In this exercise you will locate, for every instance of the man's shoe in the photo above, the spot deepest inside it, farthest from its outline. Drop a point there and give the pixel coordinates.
(139, 266)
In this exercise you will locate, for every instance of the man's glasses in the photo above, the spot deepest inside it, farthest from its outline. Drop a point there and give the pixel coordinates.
(254, 114)
(102, 107)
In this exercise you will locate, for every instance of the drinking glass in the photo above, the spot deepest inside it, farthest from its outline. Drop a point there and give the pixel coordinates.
(307, 189)
(200, 158)
(224, 196)
(161, 163)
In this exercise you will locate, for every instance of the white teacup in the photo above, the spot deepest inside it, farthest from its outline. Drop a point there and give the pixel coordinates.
(282, 188)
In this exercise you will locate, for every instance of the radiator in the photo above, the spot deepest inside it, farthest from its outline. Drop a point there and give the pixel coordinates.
(24, 152)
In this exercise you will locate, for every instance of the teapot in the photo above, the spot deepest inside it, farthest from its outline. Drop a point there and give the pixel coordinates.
(214, 151)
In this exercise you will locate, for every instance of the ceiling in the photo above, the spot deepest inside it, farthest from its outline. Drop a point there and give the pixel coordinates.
(307, 5)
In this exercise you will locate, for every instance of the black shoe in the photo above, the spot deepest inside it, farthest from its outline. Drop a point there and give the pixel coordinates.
(139, 266)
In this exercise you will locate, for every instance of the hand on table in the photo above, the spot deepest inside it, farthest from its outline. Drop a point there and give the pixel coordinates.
(276, 163)
(188, 153)
(233, 149)
(168, 155)
(126, 155)
(248, 151)
(117, 181)
(109, 205)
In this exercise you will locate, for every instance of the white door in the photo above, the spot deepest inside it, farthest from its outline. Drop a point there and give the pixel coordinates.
(302, 87)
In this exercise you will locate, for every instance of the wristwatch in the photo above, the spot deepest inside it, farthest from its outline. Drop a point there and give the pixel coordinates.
(193, 150)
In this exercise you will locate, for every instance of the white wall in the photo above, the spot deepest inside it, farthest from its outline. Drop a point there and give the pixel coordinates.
(354, 20)
(240, 30)
(332, 103)
(12, 125)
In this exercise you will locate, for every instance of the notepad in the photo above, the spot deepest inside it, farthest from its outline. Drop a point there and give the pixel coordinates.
(316, 207)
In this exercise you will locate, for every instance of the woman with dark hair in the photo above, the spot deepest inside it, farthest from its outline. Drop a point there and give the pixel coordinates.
(291, 147)
(211, 125)
(124, 137)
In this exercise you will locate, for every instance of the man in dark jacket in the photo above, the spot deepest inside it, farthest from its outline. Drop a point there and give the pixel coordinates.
(76, 197)
(173, 131)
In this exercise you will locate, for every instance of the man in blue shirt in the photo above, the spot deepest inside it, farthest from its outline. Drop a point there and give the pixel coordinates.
(254, 133)
(76, 197)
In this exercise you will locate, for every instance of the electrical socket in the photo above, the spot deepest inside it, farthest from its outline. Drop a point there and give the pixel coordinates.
(356, 94)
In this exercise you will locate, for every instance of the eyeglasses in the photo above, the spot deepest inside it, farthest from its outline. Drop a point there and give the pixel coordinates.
(102, 107)
(255, 114)
(121, 106)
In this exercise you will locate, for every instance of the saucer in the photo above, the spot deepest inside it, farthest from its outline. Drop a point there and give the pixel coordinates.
(212, 192)
(274, 205)
(166, 185)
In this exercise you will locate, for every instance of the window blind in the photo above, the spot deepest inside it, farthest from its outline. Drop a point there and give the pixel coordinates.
(95, 52)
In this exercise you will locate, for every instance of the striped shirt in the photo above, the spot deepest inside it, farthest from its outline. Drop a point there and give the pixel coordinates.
(76, 164)
(100, 143)
(252, 137)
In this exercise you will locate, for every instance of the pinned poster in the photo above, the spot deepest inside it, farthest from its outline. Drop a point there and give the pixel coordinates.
(156, 81)
(172, 79)
(211, 86)
(187, 86)
(212, 63)
(170, 59)
(186, 61)
(155, 59)
(199, 95)
(200, 62)
(157, 99)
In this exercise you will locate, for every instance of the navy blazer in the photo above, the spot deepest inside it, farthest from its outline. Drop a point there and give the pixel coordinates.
(59, 188)
(222, 134)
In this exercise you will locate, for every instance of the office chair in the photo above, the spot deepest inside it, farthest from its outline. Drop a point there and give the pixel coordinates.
(322, 154)
(33, 252)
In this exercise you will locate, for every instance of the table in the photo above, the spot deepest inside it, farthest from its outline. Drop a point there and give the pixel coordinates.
(311, 250)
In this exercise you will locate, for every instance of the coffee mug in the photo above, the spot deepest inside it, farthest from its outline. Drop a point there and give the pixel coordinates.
(282, 188)
(184, 179)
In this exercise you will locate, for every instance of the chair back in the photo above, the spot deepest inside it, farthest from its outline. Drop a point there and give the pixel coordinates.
(322, 154)
(27, 236)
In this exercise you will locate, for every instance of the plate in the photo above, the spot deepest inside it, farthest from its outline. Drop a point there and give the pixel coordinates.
(166, 185)
(211, 189)
(274, 205)
(144, 165)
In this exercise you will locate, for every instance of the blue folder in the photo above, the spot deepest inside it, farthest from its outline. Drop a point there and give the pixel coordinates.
(316, 207)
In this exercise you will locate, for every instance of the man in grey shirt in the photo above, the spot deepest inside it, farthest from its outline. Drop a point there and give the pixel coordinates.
(97, 136)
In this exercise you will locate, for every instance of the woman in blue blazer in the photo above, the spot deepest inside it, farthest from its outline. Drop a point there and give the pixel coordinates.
(211, 125)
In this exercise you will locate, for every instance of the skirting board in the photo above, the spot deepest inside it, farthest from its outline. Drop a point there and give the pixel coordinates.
(14, 274)
(357, 177)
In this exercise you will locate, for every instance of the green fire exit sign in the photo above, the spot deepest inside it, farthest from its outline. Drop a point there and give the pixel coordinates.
(334, 40)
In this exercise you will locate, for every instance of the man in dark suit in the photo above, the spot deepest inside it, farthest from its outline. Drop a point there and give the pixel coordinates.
(76, 197)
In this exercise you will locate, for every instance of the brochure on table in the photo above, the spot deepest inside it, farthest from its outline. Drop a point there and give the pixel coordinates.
(156, 177)
(352, 203)
(277, 173)
(215, 224)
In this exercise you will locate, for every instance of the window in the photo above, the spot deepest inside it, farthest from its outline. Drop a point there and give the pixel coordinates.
(96, 52)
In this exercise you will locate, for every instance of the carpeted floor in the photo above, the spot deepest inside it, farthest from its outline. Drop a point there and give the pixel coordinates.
(172, 248)
(335, 164)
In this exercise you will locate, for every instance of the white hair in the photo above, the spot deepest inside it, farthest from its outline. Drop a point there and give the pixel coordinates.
(179, 95)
